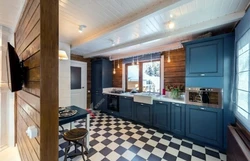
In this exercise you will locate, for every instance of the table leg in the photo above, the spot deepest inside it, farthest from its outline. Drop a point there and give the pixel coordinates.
(87, 127)
(70, 125)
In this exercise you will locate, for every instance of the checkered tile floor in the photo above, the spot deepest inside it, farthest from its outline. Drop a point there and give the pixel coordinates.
(114, 139)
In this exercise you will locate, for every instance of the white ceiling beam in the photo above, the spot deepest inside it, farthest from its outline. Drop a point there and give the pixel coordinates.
(164, 5)
(175, 33)
(171, 46)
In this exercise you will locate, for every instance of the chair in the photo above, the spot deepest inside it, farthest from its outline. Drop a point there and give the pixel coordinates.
(76, 137)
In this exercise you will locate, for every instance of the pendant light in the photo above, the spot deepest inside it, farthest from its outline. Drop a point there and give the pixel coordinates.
(118, 65)
(133, 61)
(169, 60)
(114, 68)
(137, 62)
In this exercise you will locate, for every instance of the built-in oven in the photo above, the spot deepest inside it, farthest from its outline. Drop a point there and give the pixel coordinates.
(211, 97)
(113, 103)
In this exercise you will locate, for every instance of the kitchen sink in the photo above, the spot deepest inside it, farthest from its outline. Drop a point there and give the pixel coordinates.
(143, 98)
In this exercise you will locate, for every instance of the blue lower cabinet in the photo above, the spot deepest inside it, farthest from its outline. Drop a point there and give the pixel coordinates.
(104, 102)
(97, 98)
(126, 107)
(161, 115)
(143, 113)
(204, 124)
(178, 118)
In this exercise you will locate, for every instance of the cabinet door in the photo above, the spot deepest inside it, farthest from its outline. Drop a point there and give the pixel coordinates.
(104, 102)
(96, 75)
(126, 106)
(205, 58)
(97, 100)
(143, 113)
(178, 118)
(161, 115)
(204, 124)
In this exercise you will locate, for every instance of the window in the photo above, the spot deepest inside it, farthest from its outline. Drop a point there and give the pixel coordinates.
(243, 80)
(144, 77)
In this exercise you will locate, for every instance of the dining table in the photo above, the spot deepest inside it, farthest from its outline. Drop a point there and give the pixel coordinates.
(81, 114)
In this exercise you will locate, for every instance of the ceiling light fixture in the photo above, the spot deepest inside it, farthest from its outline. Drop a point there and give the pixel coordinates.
(169, 60)
(137, 62)
(63, 55)
(114, 68)
(81, 27)
(118, 65)
(171, 15)
(133, 61)
(170, 24)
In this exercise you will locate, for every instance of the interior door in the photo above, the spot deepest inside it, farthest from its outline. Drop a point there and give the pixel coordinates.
(78, 72)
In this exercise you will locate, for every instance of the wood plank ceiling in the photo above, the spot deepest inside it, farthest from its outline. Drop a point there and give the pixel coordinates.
(136, 26)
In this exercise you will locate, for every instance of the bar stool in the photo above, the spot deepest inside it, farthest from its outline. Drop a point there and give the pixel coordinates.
(76, 137)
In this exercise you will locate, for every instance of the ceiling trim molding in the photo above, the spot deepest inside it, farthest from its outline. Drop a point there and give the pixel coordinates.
(162, 6)
(179, 32)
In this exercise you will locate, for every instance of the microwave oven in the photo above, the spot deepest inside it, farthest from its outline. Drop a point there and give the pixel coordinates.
(210, 97)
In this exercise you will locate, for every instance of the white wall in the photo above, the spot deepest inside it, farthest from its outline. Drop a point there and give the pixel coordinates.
(7, 131)
(64, 77)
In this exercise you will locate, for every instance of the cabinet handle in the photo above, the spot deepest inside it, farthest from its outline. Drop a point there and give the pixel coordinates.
(160, 102)
(142, 104)
(125, 97)
(202, 108)
(202, 75)
(177, 105)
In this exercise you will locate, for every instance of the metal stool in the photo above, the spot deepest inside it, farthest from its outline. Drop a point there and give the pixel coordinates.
(74, 137)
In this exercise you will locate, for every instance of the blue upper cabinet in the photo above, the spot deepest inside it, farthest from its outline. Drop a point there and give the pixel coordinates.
(161, 115)
(126, 107)
(204, 58)
(204, 124)
(178, 118)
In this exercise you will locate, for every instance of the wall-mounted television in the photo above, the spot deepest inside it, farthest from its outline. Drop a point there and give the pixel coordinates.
(14, 70)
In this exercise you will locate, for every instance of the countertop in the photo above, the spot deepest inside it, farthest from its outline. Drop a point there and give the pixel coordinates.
(155, 97)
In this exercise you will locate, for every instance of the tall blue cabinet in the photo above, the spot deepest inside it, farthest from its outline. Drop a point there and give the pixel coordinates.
(101, 77)
(209, 64)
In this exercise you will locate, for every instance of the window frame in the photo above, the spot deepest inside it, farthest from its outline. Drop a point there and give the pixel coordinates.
(140, 84)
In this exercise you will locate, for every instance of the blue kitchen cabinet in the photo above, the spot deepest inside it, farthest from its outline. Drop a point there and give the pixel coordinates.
(204, 58)
(101, 77)
(161, 115)
(204, 124)
(143, 113)
(178, 118)
(126, 107)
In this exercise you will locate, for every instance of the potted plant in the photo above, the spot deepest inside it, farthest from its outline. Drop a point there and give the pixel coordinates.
(175, 90)
(175, 93)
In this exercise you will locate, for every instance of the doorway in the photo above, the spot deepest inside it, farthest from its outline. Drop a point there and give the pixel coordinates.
(78, 72)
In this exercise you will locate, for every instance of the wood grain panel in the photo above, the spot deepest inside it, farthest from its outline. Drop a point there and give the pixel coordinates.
(34, 19)
(33, 114)
(88, 61)
(33, 75)
(33, 88)
(26, 141)
(174, 71)
(35, 148)
(117, 78)
(32, 49)
(32, 35)
(32, 100)
(49, 79)
(33, 61)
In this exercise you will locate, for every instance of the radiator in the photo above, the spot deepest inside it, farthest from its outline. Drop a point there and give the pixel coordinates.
(236, 150)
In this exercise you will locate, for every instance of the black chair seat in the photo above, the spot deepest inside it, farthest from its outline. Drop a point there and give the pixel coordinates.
(75, 134)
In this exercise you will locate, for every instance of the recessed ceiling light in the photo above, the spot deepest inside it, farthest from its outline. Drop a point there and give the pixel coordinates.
(170, 24)
(171, 15)
(81, 27)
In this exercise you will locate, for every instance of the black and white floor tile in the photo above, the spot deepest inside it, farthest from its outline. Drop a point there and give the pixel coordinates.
(114, 139)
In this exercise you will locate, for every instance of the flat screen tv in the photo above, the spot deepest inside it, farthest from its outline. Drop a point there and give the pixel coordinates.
(14, 70)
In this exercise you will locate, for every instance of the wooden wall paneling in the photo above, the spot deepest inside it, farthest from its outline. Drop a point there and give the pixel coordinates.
(32, 100)
(174, 72)
(49, 79)
(32, 49)
(88, 61)
(117, 78)
(32, 35)
(32, 21)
